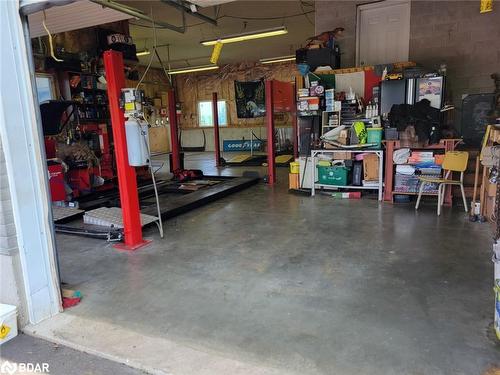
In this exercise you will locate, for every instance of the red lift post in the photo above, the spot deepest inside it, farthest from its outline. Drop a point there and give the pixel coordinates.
(127, 183)
(174, 138)
(215, 114)
(295, 127)
(271, 149)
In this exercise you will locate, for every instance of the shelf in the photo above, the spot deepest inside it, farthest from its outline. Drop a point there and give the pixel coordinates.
(100, 120)
(359, 150)
(91, 89)
(347, 186)
(92, 105)
(307, 114)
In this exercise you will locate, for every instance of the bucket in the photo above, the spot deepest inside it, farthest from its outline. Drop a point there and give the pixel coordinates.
(375, 136)
(294, 167)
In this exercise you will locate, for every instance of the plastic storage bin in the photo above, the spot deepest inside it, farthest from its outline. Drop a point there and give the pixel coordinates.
(8, 323)
(391, 134)
(333, 175)
(294, 167)
(375, 136)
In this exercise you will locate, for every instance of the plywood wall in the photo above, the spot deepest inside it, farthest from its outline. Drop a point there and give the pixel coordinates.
(192, 88)
(155, 86)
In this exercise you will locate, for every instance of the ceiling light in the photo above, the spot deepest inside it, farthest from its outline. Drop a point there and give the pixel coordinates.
(272, 60)
(190, 69)
(143, 53)
(247, 36)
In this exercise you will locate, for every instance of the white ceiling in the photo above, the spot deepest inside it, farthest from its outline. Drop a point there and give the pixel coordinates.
(62, 17)
(185, 49)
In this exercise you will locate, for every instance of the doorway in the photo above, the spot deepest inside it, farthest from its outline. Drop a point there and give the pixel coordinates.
(382, 32)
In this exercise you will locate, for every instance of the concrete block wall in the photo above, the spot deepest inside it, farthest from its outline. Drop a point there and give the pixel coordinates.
(455, 33)
(450, 32)
(11, 281)
(333, 14)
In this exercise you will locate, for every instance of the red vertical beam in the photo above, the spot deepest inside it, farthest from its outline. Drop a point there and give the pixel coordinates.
(271, 168)
(215, 114)
(389, 170)
(174, 138)
(127, 183)
(295, 130)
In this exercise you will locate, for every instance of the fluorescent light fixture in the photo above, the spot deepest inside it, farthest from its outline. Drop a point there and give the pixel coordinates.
(272, 60)
(190, 69)
(143, 53)
(247, 36)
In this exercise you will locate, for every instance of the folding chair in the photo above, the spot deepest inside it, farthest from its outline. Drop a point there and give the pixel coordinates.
(454, 161)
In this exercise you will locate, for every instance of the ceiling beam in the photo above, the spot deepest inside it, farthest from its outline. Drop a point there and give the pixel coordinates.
(184, 7)
(139, 14)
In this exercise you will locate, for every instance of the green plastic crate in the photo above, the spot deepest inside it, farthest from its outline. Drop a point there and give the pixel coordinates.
(333, 175)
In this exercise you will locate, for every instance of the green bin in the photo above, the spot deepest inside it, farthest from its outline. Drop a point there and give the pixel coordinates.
(375, 136)
(333, 175)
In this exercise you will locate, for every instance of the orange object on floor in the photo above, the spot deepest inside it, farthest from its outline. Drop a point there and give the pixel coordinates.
(293, 180)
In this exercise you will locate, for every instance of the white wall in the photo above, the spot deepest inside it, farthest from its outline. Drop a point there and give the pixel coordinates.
(26, 168)
(11, 283)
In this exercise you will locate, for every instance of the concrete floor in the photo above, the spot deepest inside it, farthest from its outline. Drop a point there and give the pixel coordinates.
(60, 359)
(268, 282)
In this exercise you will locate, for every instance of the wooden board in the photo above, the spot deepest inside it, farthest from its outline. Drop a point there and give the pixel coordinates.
(192, 88)
(159, 140)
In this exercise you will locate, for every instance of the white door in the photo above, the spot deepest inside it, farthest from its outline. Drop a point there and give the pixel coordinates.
(383, 32)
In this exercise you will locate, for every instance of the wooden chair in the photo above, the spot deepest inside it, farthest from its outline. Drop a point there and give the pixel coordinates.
(454, 161)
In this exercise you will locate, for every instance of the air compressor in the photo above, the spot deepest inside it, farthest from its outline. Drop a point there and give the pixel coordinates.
(132, 102)
(136, 127)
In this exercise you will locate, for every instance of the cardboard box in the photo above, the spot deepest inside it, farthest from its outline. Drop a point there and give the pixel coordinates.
(495, 134)
(489, 208)
(303, 93)
(313, 103)
(492, 189)
(293, 180)
(306, 171)
(164, 99)
(317, 90)
(342, 155)
(370, 167)
(342, 140)
(344, 133)
(302, 105)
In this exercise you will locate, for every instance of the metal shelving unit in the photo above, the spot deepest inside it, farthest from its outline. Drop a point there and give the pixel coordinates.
(379, 187)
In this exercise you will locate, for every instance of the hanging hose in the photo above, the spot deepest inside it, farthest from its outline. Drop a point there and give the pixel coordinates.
(159, 222)
(152, 55)
(51, 45)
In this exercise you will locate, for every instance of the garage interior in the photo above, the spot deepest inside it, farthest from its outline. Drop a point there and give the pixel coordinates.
(261, 187)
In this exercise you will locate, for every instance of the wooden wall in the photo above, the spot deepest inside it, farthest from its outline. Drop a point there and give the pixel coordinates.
(156, 86)
(192, 88)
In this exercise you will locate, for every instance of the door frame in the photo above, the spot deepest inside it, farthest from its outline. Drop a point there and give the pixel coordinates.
(375, 5)
(26, 165)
